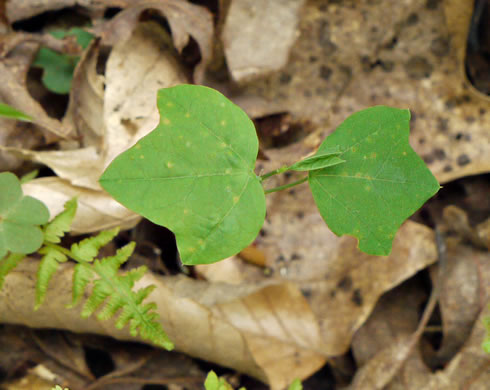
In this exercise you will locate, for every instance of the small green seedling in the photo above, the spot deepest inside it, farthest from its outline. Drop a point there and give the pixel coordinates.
(58, 68)
(214, 383)
(194, 174)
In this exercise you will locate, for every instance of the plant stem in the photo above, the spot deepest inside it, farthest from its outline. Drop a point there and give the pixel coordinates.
(294, 183)
(274, 172)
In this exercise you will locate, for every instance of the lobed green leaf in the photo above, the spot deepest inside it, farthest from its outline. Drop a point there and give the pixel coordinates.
(194, 174)
(381, 184)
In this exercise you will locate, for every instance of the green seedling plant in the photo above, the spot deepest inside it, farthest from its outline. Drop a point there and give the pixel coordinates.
(24, 228)
(195, 174)
(58, 68)
(213, 382)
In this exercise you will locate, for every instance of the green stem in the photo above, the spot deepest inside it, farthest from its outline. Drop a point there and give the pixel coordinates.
(280, 188)
(274, 172)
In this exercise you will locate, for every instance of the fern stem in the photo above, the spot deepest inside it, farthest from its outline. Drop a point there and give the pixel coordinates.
(66, 252)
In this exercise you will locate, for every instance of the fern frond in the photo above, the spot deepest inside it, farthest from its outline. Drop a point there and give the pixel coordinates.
(87, 249)
(115, 291)
(82, 275)
(60, 224)
(8, 263)
(48, 266)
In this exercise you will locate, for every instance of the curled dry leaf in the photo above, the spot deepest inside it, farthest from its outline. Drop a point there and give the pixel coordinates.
(267, 330)
(96, 210)
(465, 289)
(257, 38)
(185, 20)
(13, 90)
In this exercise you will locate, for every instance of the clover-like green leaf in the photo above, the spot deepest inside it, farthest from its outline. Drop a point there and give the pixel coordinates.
(20, 217)
(194, 174)
(382, 182)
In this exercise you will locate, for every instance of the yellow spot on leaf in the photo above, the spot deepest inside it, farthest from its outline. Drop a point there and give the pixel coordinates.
(187, 115)
(166, 121)
(223, 123)
(191, 250)
(373, 155)
(170, 164)
(353, 149)
(236, 199)
(186, 212)
(358, 174)
(142, 157)
(223, 145)
(170, 104)
(228, 171)
(404, 153)
(137, 146)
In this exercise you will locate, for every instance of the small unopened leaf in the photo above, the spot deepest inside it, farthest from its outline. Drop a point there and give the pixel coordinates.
(9, 112)
(320, 160)
(20, 217)
(194, 174)
(382, 182)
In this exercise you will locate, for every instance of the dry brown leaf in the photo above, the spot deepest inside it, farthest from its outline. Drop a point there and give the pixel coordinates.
(96, 210)
(185, 20)
(135, 70)
(380, 346)
(465, 289)
(257, 37)
(13, 90)
(411, 61)
(267, 331)
(463, 302)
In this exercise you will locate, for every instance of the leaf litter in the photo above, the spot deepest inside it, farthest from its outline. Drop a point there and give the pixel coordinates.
(316, 295)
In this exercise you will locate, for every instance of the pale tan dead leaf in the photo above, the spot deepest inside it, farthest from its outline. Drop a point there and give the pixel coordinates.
(96, 210)
(85, 110)
(135, 70)
(410, 61)
(257, 37)
(465, 289)
(267, 331)
(186, 20)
